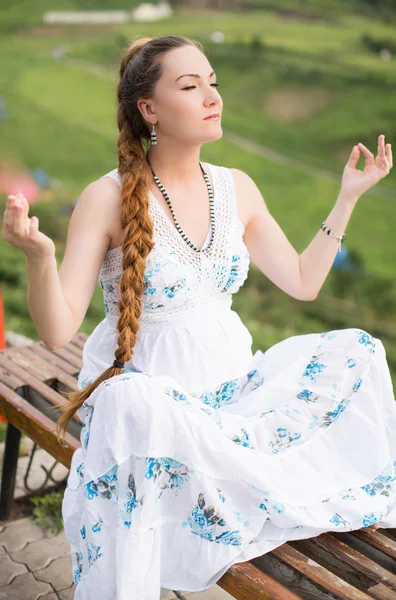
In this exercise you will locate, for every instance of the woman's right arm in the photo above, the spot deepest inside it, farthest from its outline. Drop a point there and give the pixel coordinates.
(58, 302)
(48, 308)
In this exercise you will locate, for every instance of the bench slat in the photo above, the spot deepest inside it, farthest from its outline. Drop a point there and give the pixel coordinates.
(319, 574)
(72, 358)
(244, 581)
(381, 592)
(379, 541)
(48, 393)
(53, 359)
(39, 427)
(81, 338)
(357, 560)
(10, 379)
(334, 562)
(39, 368)
(68, 381)
(74, 349)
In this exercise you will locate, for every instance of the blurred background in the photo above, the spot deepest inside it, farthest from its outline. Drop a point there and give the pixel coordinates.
(302, 81)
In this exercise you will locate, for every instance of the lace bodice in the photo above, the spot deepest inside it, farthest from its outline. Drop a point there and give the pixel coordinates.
(177, 278)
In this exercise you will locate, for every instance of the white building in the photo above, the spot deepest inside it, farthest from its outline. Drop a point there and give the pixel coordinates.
(144, 12)
(90, 17)
(152, 12)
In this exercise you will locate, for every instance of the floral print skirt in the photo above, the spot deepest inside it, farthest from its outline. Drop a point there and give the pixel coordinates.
(170, 486)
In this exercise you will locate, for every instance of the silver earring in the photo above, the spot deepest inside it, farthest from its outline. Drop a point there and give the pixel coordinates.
(153, 136)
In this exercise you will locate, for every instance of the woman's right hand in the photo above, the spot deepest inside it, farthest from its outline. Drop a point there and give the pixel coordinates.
(22, 231)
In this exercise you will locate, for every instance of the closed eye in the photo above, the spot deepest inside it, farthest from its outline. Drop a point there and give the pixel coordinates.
(194, 86)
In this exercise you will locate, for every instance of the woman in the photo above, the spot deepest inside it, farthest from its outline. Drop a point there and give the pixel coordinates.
(196, 454)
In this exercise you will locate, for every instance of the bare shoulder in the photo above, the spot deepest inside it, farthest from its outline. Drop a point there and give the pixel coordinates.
(95, 213)
(102, 198)
(249, 198)
(88, 239)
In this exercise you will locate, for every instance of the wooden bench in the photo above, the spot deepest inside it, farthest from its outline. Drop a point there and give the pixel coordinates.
(357, 565)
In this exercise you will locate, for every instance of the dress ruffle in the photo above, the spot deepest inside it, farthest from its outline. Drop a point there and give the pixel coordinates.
(170, 487)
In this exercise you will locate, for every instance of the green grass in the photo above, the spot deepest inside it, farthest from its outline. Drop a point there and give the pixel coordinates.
(47, 510)
(71, 109)
(15, 13)
(295, 56)
(62, 119)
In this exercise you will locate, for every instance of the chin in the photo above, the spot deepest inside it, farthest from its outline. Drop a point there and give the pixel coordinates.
(217, 135)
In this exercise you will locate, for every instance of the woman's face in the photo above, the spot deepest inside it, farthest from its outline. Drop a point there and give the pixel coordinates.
(180, 112)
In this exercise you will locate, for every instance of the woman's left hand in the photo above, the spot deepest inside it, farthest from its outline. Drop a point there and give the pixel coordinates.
(356, 182)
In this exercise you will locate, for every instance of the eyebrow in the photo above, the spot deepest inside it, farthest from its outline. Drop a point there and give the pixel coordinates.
(193, 75)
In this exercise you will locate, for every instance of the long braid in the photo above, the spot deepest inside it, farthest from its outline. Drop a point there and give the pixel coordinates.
(140, 69)
(137, 240)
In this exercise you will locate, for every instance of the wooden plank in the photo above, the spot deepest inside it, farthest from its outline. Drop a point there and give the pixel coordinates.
(71, 347)
(10, 379)
(69, 356)
(244, 581)
(33, 358)
(357, 560)
(381, 558)
(36, 425)
(81, 337)
(292, 578)
(79, 346)
(377, 540)
(379, 591)
(45, 392)
(392, 531)
(319, 574)
(30, 363)
(336, 564)
(54, 359)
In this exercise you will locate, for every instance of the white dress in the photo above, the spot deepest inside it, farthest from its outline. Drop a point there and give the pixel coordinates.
(201, 454)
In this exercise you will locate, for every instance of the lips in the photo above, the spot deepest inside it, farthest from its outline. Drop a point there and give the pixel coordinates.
(212, 116)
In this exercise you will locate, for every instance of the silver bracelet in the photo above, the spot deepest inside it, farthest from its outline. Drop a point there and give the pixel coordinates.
(340, 238)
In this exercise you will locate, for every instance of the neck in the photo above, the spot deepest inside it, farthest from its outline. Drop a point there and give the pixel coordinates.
(175, 164)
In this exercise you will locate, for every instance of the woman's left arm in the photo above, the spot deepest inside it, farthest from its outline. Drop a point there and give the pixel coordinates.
(302, 276)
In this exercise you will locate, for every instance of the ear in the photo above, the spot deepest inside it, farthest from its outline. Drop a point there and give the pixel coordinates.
(146, 107)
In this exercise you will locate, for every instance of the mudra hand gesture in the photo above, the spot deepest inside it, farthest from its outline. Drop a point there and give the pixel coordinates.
(22, 231)
(356, 182)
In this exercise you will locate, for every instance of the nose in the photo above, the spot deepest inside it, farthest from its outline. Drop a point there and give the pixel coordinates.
(213, 98)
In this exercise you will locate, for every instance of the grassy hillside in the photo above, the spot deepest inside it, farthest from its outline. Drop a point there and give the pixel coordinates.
(306, 90)
(330, 10)
(284, 95)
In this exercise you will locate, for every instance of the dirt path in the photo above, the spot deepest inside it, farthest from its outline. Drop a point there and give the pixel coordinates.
(282, 159)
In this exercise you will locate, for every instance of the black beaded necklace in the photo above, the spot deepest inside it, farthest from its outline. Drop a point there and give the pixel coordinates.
(211, 208)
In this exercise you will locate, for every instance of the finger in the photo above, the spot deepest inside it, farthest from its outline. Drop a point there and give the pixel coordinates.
(381, 146)
(353, 157)
(10, 203)
(369, 156)
(8, 214)
(388, 153)
(18, 220)
(33, 227)
(7, 220)
(23, 202)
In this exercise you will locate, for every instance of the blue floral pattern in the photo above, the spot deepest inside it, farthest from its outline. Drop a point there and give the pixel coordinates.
(169, 284)
(214, 517)
(295, 442)
(206, 522)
